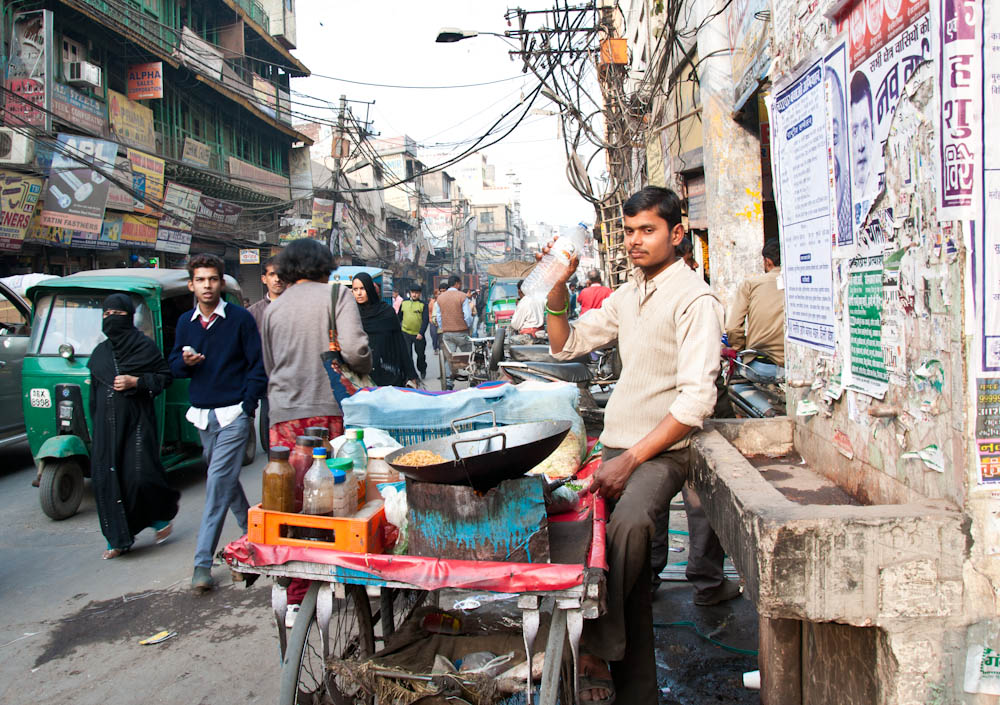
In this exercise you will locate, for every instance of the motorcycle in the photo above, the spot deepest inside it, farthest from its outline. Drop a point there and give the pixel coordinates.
(754, 384)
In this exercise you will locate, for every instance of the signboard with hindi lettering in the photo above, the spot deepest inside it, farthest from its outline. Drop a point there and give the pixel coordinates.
(250, 256)
(180, 204)
(139, 231)
(168, 240)
(196, 153)
(257, 179)
(131, 122)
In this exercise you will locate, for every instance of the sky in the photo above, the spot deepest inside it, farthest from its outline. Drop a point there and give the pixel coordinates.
(392, 42)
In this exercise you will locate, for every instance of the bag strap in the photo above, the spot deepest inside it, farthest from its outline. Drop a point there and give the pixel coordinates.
(334, 296)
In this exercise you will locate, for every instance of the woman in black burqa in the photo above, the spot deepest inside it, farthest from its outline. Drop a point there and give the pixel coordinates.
(392, 364)
(127, 371)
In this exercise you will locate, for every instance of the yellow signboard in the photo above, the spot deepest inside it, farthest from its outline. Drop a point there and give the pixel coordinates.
(131, 122)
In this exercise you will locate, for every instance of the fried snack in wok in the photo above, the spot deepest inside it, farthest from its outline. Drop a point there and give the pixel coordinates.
(563, 462)
(419, 458)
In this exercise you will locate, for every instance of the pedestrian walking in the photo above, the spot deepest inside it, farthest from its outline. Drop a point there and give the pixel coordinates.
(414, 320)
(454, 319)
(392, 364)
(273, 288)
(217, 345)
(295, 333)
(127, 371)
(431, 309)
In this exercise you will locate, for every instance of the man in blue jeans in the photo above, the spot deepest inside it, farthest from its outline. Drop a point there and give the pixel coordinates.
(218, 348)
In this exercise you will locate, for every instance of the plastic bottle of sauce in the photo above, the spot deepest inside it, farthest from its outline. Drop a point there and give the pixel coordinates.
(323, 433)
(278, 494)
(345, 494)
(301, 459)
(318, 496)
(354, 448)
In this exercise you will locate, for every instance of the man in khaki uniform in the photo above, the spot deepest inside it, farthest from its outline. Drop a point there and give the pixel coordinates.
(757, 318)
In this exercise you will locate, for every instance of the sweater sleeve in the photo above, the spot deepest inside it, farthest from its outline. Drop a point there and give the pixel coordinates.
(176, 360)
(256, 379)
(424, 321)
(351, 336)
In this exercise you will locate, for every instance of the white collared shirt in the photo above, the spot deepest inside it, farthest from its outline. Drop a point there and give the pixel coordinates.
(224, 415)
(220, 309)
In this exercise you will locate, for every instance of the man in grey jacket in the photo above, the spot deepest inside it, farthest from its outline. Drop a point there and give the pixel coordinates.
(295, 333)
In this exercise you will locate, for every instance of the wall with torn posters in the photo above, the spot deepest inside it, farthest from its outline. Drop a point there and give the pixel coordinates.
(888, 183)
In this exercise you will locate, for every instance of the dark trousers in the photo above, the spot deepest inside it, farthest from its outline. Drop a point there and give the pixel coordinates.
(421, 348)
(705, 554)
(435, 336)
(623, 636)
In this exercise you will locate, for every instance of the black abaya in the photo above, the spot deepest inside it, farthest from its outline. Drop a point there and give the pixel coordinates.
(392, 362)
(130, 484)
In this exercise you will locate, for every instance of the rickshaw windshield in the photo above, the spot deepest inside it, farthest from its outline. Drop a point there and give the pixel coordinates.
(503, 290)
(75, 318)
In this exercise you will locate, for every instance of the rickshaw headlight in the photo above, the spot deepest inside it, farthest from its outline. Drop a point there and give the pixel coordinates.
(66, 351)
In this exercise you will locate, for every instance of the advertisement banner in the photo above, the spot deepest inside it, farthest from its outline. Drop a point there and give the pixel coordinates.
(78, 110)
(148, 180)
(180, 205)
(77, 194)
(139, 231)
(217, 216)
(322, 217)
(251, 256)
(19, 194)
(750, 41)
(801, 180)
(986, 231)
(888, 40)
(168, 240)
(988, 430)
(145, 81)
(131, 122)
(295, 229)
(196, 153)
(266, 94)
(839, 174)
(257, 179)
(111, 232)
(119, 199)
(866, 371)
(29, 71)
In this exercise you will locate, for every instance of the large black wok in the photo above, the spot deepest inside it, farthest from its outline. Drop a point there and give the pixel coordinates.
(485, 457)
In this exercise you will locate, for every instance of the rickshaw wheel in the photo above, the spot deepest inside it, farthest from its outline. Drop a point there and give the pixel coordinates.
(304, 677)
(61, 488)
(396, 605)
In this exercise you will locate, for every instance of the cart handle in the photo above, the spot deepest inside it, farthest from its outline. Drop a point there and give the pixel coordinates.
(498, 434)
(491, 412)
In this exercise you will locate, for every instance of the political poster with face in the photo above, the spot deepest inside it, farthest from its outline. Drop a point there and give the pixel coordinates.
(887, 39)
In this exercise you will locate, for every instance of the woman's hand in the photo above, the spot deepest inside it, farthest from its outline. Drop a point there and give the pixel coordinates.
(125, 382)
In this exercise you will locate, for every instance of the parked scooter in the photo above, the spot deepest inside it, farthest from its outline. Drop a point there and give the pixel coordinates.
(755, 384)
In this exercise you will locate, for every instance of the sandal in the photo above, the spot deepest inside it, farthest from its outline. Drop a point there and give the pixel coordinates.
(592, 683)
(164, 533)
(113, 553)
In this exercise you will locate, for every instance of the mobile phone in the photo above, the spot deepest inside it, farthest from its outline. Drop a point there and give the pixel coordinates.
(189, 349)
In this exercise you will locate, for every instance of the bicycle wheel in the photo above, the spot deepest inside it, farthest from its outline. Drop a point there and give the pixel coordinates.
(304, 677)
(395, 607)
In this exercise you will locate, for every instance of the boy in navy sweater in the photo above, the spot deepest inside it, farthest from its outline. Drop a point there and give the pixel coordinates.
(218, 347)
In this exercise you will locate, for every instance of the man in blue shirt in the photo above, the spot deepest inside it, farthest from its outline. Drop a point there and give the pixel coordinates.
(218, 348)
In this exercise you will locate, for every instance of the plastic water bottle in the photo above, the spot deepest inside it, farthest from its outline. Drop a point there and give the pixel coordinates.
(354, 448)
(317, 496)
(546, 273)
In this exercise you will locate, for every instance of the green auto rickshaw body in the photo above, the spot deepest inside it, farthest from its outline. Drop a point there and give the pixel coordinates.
(66, 311)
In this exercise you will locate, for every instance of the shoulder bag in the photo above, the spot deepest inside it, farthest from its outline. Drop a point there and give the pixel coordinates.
(343, 380)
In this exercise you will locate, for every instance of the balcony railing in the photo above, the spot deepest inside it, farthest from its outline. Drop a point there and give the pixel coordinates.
(133, 21)
(257, 13)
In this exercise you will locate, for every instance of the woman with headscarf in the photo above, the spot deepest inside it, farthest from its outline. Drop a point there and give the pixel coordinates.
(127, 371)
(392, 364)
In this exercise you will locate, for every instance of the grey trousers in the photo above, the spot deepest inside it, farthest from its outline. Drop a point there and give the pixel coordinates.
(223, 449)
(623, 636)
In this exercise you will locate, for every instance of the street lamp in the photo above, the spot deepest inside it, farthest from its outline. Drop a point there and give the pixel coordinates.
(448, 35)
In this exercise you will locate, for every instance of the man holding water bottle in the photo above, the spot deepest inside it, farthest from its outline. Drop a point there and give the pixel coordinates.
(667, 324)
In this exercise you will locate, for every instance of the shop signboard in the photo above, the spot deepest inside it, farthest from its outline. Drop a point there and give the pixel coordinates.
(168, 240)
(78, 110)
(180, 205)
(250, 256)
(257, 179)
(148, 177)
(266, 94)
(196, 153)
(118, 198)
(145, 81)
(322, 217)
(20, 194)
(77, 191)
(131, 122)
(295, 229)
(139, 231)
(29, 71)
(750, 42)
(215, 215)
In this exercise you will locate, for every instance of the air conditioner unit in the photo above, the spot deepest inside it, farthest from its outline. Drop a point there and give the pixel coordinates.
(83, 73)
(15, 148)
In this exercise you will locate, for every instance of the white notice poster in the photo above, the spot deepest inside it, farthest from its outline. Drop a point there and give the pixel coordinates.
(801, 168)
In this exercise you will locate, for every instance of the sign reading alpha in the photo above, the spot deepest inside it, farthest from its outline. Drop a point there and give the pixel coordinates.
(145, 81)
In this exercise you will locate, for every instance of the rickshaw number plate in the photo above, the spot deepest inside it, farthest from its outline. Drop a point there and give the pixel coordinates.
(40, 399)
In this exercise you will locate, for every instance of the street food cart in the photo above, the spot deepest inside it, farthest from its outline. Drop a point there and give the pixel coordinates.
(363, 609)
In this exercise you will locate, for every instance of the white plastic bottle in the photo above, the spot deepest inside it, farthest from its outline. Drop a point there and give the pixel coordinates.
(546, 273)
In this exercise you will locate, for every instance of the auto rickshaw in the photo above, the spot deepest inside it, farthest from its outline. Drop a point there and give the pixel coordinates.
(55, 385)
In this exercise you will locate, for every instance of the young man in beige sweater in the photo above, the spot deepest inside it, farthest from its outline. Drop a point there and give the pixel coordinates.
(668, 326)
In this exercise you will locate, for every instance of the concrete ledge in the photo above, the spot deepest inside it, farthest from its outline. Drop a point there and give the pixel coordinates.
(859, 565)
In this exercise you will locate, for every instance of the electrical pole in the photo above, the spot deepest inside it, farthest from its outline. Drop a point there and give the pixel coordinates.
(338, 152)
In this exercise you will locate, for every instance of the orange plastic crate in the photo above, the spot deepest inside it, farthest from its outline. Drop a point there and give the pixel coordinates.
(364, 534)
